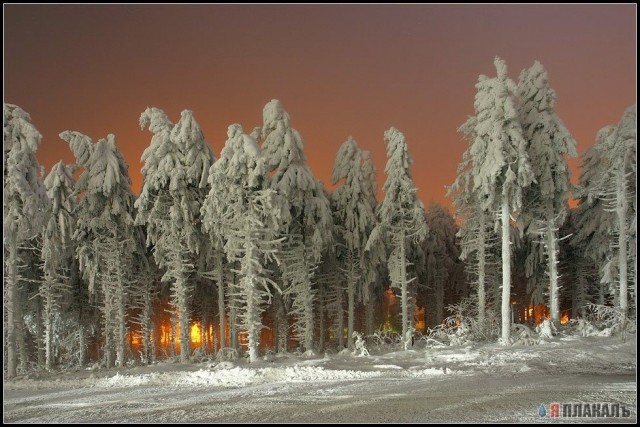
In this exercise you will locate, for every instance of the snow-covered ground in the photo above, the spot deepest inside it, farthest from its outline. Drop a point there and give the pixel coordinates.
(448, 384)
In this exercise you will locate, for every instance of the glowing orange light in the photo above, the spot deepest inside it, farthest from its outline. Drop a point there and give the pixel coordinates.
(564, 319)
(419, 315)
(134, 339)
(196, 334)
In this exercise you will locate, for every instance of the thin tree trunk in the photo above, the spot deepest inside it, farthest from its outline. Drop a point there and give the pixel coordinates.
(221, 311)
(553, 273)
(506, 272)
(351, 299)
(108, 337)
(40, 334)
(12, 285)
(81, 345)
(307, 305)
(203, 332)
(482, 299)
(146, 323)
(82, 355)
(281, 326)
(23, 355)
(183, 315)
(252, 318)
(321, 310)
(411, 306)
(172, 338)
(48, 330)
(233, 315)
(621, 210)
(403, 289)
(122, 325)
(340, 319)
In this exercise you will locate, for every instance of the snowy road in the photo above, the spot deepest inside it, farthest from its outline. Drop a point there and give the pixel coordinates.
(442, 385)
(478, 397)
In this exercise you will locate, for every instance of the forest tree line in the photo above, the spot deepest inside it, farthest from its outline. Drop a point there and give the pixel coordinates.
(229, 239)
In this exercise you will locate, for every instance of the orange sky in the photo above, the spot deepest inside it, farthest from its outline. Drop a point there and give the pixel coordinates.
(338, 70)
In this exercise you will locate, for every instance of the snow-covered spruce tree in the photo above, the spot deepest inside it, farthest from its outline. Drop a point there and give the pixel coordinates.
(175, 183)
(303, 198)
(548, 142)
(373, 259)
(216, 233)
(57, 250)
(442, 254)
(594, 222)
(248, 215)
(143, 293)
(196, 159)
(618, 190)
(355, 218)
(24, 201)
(330, 296)
(104, 224)
(581, 272)
(331, 277)
(499, 164)
(475, 234)
(401, 220)
(221, 173)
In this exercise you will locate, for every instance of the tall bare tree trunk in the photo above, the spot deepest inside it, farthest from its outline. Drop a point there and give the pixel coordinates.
(554, 294)
(12, 285)
(404, 301)
(482, 299)
(351, 298)
(621, 211)
(506, 271)
(220, 284)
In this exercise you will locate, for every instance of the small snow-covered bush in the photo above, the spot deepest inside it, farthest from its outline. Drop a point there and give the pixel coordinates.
(546, 329)
(523, 335)
(383, 341)
(407, 340)
(361, 349)
(608, 321)
(462, 327)
(227, 354)
(199, 355)
(584, 327)
(600, 321)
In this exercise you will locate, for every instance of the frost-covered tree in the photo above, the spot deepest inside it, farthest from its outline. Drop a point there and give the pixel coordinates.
(401, 220)
(248, 215)
(606, 223)
(594, 222)
(175, 183)
(499, 163)
(617, 188)
(143, 293)
(57, 250)
(442, 254)
(580, 270)
(475, 233)
(548, 142)
(104, 224)
(355, 218)
(24, 201)
(303, 198)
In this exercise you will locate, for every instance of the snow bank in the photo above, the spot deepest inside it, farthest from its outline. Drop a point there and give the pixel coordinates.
(430, 372)
(235, 377)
